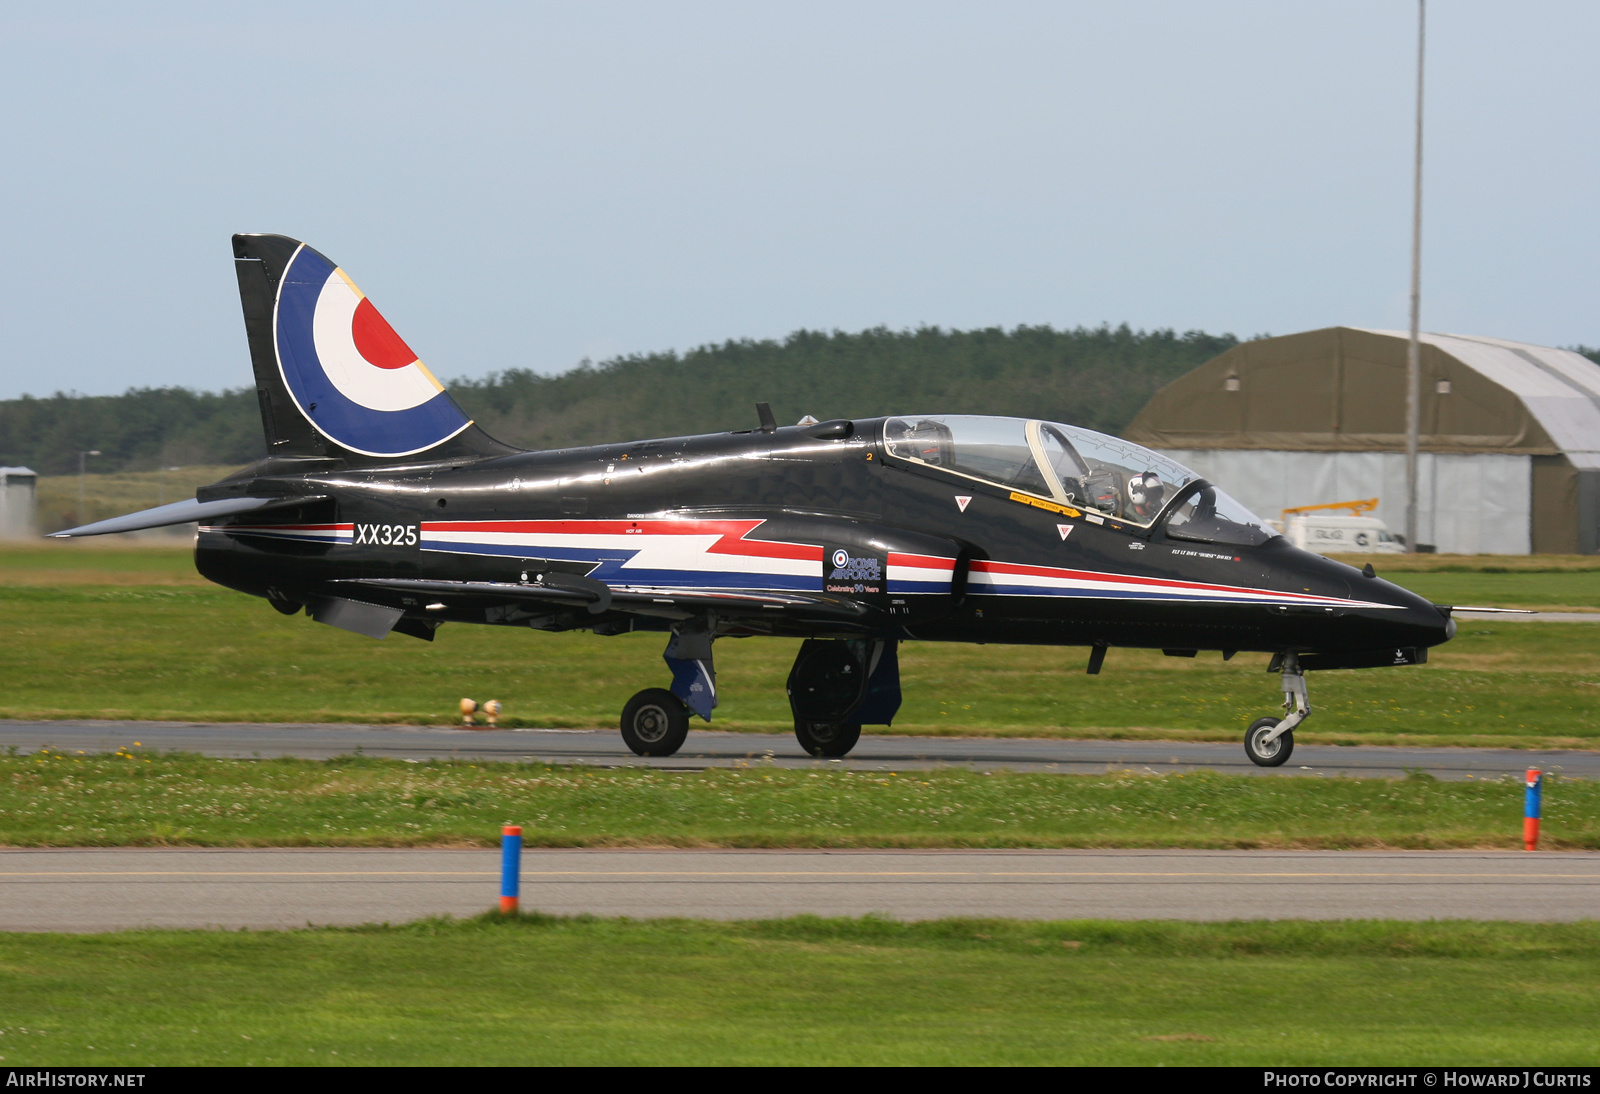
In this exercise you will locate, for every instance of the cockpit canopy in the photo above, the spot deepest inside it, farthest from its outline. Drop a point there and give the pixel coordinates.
(1076, 467)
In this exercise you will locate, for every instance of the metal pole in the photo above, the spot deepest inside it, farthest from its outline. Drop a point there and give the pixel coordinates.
(82, 460)
(1414, 347)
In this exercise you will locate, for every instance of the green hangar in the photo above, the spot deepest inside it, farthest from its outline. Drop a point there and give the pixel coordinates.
(1510, 434)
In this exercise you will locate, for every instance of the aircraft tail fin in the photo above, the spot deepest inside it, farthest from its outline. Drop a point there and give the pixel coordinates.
(333, 378)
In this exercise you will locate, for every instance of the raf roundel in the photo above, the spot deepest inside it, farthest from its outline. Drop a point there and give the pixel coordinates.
(841, 558)
(352, 376)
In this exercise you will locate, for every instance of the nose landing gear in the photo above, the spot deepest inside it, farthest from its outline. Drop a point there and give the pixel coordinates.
(1269, 742)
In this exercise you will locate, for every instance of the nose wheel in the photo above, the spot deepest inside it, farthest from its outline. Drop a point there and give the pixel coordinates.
(1264, 749)
(1269, 742)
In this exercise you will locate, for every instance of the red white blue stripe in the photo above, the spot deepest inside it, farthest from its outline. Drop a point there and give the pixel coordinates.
(668, 556)
(1015, 579)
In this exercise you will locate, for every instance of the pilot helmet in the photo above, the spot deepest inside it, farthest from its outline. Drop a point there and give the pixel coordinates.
(1146, 491)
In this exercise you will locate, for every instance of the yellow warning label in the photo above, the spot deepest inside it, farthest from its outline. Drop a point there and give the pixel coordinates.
(1050, 506)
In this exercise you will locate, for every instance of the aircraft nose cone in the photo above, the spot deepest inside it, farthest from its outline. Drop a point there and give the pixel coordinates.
(1405, 618)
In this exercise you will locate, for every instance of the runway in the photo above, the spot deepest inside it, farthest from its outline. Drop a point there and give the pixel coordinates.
(714, 748)
(107, 889)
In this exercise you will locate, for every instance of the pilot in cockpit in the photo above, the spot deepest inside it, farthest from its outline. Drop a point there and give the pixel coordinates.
(1145, 494)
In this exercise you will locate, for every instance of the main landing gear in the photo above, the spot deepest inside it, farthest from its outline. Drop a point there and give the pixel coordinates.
(835, 687)
(1269, 742)
(656, 721)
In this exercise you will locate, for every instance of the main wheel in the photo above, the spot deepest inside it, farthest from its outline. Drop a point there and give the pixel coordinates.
(826, 738)
(655, 722)
(1267, 753)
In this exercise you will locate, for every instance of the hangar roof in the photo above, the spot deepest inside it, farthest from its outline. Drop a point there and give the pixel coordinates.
(1343, 389)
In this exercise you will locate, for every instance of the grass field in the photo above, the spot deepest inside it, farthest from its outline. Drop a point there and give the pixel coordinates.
(808, 991)
(132, 799)
(112, 631)
(118, 632)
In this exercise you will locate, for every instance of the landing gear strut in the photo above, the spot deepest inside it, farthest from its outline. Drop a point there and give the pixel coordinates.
(656, 721)
(1269, 742)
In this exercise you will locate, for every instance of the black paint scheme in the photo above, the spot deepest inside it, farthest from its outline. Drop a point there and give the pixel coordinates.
(836, 485)
(829, 483)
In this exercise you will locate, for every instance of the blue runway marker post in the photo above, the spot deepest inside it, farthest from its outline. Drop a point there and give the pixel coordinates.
(1531, 803)
(510, 868)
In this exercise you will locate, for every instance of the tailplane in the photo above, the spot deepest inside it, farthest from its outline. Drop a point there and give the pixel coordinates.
(333, 378)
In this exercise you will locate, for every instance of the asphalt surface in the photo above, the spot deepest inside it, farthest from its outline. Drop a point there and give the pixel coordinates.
(712, 748)
(108, 889)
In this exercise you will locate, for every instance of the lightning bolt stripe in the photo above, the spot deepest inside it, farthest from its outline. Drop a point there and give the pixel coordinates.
(662, 553)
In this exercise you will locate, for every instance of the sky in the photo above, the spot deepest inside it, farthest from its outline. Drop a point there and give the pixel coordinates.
(527, 185)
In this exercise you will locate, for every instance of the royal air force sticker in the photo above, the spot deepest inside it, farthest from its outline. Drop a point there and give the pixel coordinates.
(852, 574)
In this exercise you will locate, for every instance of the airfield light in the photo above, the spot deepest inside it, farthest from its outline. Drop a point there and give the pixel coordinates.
(469, 707)
(492, 710)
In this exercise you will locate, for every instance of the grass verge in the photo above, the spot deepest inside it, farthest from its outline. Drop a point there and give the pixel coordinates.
(129, 799)
(542, 990)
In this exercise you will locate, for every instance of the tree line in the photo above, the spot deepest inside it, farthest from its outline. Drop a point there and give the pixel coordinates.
(1095, 377)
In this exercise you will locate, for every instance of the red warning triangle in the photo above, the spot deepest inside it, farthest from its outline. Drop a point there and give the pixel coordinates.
(1065, 529)
(961, 502)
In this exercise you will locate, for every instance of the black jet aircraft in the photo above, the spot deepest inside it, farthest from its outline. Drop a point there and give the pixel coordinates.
(381, 507)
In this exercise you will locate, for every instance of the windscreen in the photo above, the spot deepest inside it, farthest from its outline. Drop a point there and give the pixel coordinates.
(1207, 515)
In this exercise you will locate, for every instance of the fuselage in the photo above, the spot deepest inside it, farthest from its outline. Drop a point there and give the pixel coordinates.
(927, 552)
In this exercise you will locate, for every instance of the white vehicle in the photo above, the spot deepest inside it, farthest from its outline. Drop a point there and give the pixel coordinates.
(1329, 535)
